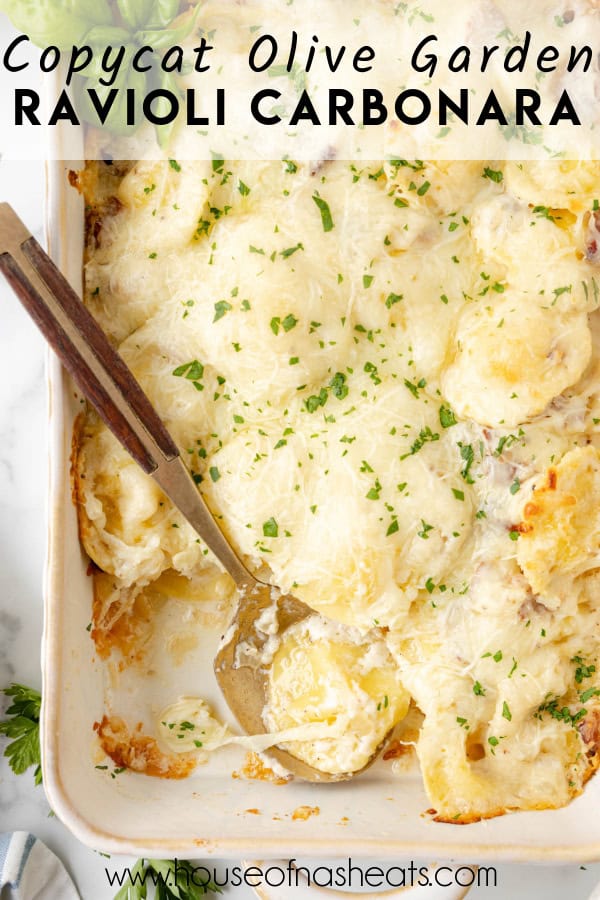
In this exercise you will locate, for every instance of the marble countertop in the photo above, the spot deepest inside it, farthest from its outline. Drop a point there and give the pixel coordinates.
(23, 463)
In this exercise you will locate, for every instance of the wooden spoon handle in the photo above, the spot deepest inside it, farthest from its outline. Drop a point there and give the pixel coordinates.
(105, 380)
(81, 345)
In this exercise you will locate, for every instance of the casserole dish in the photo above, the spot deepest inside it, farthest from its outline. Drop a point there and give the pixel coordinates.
(213, 812)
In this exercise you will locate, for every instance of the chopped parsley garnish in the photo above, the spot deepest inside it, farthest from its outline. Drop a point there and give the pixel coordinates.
(326, 217)
(193, 370)
(582, 671)
(426, 435)
(287, 323)
(425, 529)
(478, 690)
(214, 473)
(316, 400)
(415, 388)
(373, 493)
(542, 212)
(175, 165)
(392, 299)
(371, 370)
(506, 713)
(338, 386)
(221, 307)
(243, 189)
(493, 742)
(507, 441)
(447, 417)
(291, 250)
(493, 175)
(270, 528)
(468, 455)
(560, 713)
(393, 528)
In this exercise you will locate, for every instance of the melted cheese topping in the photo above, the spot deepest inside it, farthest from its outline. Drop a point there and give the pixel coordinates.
(324, 674)
(372, 397)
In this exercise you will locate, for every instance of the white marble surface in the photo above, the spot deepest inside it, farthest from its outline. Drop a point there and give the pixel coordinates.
(23, 461)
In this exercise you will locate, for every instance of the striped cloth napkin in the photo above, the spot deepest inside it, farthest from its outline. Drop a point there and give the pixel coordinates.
(29, 871)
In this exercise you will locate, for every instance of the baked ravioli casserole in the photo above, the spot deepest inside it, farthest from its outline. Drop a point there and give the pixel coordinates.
(385, 381)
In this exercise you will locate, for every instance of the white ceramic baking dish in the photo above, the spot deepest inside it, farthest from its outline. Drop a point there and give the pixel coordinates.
(378, 814)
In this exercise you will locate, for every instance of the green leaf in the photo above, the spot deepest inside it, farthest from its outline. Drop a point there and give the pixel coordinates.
(289, 322)
(167, 82)
(59, 22)
(136, 13)
(24, 750)
(325, 211)
(392, 299)
(134, 891)
(221, 307)
(338, 386)
(291, 250)
(102, 36)
(163, 12)
(496, 176)
(447, 417)
(270, 528)
(168, 37)
(116, 120)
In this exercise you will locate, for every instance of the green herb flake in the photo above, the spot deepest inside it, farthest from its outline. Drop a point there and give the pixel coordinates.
(495, 176)
(270, 528)
(468, 456)
(325, 211)
(392, 299)
(447, 417)
(221, 307)
(289, 322)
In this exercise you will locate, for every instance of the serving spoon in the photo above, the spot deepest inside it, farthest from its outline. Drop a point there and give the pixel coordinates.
(108, 384)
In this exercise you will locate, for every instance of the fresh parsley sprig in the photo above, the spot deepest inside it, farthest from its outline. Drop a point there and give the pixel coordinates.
(24, 727)
(174, 880)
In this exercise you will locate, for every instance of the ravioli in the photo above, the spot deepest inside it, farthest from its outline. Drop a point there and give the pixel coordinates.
(375, 374)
